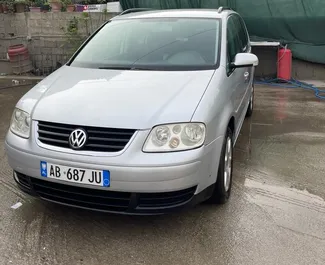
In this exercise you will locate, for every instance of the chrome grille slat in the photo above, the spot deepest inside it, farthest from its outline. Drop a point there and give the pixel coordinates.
(99, 139)
(55, 127)
(53, 133)
(51, 140)
(106, 146)
(108, 139)
(110, 133)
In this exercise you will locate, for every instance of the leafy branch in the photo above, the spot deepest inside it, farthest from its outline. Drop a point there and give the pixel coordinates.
(72, 32)
(73, 38)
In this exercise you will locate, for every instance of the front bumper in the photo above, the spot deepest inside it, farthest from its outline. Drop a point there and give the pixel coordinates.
(112, 201)
(138, 176)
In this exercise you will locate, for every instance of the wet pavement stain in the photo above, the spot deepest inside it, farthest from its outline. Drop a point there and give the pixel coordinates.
(276, 214)
(297, 210)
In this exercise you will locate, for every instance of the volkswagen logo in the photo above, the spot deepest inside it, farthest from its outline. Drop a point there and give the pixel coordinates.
(77, 139)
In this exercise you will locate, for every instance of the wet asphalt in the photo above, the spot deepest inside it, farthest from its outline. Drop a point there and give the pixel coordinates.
(276, 214)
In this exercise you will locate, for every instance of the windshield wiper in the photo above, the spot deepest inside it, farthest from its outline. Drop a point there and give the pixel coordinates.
(115, 67)
(125, 68)
(141, 68)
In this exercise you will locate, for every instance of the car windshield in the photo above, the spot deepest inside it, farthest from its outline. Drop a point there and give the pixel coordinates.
(153, 44)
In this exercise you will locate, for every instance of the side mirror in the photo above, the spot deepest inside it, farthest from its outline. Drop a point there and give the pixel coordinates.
(244, 60)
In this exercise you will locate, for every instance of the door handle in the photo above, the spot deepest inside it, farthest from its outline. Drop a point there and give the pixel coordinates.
(246, 75)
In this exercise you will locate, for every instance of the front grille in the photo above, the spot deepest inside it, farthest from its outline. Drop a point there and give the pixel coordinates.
(110, 201)
(83, 197)
(165, 199)
(99, 139)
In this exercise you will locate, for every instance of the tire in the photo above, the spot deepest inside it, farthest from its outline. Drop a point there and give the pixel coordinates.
(251, 104)
(222, 188)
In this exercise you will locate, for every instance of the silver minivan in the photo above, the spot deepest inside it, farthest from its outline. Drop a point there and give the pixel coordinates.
(143, 118)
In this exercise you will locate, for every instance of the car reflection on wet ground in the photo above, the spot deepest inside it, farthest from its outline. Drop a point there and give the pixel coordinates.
(276, 214)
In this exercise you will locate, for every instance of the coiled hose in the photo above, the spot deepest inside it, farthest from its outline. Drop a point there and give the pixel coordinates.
(292, 83)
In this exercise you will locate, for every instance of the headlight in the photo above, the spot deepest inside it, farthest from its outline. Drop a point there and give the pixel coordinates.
(175, 137)
(20, 123)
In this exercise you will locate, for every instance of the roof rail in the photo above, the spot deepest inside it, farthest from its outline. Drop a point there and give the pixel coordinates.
(223, 8)
(133, 10)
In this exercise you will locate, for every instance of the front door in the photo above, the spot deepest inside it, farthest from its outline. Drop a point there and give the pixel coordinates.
(244, 44)
(236, 77)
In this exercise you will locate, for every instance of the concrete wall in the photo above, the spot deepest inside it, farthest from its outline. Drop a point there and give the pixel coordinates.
(305, 70)
(44, 34)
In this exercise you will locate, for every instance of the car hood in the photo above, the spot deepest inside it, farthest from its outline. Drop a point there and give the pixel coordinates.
(116, 98)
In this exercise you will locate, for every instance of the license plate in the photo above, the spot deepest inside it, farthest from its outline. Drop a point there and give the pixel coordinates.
(76, 175)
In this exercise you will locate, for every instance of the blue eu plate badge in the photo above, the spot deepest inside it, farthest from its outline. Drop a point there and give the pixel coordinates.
(43, 169)
(106, 178)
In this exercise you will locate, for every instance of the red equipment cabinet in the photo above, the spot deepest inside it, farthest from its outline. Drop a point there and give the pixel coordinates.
(284, 64)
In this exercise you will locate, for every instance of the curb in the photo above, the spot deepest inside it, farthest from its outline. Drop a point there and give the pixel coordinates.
(21, 77)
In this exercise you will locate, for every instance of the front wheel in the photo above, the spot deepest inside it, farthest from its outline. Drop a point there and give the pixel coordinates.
(223, 185)
(251, 104)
